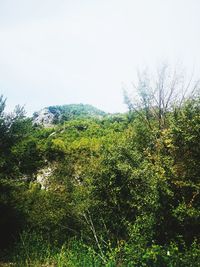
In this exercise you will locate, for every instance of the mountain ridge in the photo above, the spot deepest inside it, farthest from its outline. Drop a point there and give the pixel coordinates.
(51, 115)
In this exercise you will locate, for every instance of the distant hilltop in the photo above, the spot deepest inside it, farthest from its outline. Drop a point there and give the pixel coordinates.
(57, 114)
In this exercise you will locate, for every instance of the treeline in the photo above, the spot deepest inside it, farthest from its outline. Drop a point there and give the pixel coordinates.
(123, 190)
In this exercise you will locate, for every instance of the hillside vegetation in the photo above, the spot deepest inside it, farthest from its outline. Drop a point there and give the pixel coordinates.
(122, 190)
(59, 114)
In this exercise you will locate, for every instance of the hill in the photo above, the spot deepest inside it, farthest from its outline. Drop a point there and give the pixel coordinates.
(58, 114)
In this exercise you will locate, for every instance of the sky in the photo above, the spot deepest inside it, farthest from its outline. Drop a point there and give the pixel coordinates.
(55, 52)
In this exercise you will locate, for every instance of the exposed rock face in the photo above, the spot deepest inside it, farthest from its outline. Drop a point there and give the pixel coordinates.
(43, 177)
(45, 117)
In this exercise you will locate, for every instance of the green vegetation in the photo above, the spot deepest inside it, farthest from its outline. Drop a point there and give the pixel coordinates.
(121, 190)
(73, 111)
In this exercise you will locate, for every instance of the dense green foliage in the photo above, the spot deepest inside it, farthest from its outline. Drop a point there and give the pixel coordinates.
(120, 191)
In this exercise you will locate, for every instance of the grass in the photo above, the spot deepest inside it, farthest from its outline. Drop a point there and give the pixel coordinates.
(33, 250)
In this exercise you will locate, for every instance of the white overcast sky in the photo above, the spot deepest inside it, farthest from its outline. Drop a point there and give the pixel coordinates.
(82, 51)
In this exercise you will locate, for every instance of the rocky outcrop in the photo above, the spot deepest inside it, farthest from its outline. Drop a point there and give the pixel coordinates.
(45, 117)
(43, 176)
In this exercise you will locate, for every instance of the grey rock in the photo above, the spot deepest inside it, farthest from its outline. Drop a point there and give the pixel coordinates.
(45, 117)
(43, 177)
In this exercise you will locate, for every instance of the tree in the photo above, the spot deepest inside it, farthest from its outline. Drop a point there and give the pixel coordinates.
(158, 94)
(18, 146)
